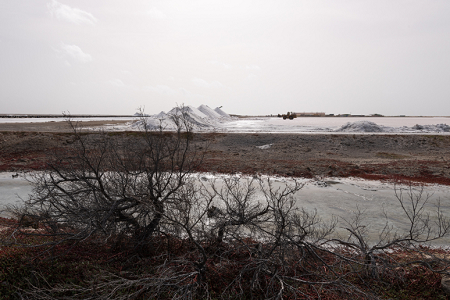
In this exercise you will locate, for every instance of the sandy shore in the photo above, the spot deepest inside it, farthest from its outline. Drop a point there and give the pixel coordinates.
(424, 158)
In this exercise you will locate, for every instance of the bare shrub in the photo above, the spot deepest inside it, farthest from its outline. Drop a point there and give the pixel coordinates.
(113, 187)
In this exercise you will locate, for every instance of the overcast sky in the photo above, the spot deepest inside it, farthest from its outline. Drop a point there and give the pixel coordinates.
(251, 57)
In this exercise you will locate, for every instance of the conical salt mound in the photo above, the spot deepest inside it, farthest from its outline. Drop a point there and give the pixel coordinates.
(209, 112)
(202, 118)
(221, 112)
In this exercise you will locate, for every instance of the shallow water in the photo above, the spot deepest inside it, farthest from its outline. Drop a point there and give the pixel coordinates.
(376, 201)
(12, 190)
(331, 197)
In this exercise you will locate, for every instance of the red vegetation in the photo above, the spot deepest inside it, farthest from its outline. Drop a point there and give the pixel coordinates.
(230, 269)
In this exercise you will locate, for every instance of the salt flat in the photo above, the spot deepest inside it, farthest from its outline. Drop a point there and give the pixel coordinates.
(206, 119)
(334, 124)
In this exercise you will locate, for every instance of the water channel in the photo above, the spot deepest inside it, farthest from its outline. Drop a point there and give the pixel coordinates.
(330, 197)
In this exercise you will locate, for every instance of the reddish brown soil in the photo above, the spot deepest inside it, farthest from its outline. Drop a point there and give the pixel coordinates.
(394, 157)
(423, 158)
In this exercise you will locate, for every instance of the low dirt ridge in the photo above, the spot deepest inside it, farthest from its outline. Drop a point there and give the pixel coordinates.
(424, 158)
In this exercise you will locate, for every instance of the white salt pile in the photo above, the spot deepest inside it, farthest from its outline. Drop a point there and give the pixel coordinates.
(161, 115)
(212, 114)
(360, 126)
(202, 118)
(368, 126)
(221, 112)
(432, 128)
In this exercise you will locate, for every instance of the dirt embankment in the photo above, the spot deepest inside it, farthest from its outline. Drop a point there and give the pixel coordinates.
(423, 158)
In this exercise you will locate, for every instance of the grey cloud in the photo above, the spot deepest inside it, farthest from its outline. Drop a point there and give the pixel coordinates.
(251, 76)
(372, 56)
(189, 95)
(75, 52)
(156, 13)
(228, 66)
(205, 84)
(161, 89)
(117, 82)
(221, 64)
(253, 67)
(70, 14)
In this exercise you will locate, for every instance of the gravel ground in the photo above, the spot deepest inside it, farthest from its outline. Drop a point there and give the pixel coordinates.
(424, 158)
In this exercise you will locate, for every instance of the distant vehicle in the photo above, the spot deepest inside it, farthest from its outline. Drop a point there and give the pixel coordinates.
(289, 115)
